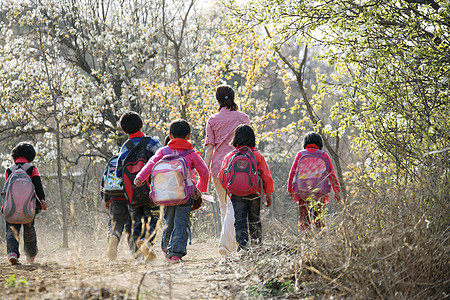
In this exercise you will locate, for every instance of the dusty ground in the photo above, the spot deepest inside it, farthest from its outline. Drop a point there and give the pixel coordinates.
(84, 272)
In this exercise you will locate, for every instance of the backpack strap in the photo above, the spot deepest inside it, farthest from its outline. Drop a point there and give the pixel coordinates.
(132, 147)
(28, 168)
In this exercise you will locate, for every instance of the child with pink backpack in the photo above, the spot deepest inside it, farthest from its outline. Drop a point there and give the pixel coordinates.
(310, 181)
(246, 177)
(173, 187)
(23, 197)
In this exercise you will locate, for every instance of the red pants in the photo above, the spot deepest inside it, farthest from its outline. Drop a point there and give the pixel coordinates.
(308, 213)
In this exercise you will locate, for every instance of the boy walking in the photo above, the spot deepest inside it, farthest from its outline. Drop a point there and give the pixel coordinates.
(136, 151)
(176, 218)
(23, 154)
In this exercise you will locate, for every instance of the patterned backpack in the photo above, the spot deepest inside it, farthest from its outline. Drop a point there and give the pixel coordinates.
(19, 198)
(311, 176)
(111, 184)
(241, 174)
(135, 160)
(171, 180)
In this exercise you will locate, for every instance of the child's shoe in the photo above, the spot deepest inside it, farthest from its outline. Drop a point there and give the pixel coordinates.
(112, 247)
(174, 259)
(140, 260)
(12, 258)
(30, 260)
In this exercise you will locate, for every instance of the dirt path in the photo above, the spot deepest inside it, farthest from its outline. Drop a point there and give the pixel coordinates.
(85, 273)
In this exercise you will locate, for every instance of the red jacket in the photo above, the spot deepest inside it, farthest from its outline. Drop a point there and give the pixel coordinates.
(263, 168)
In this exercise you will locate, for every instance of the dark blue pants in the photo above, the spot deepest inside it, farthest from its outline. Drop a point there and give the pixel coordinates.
(120, 220)
(246, 215)
(29, 238)
(144, 223)
(176, 229)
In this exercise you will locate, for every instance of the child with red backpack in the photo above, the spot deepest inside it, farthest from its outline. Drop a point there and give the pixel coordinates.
(173, 187)
(133, 155)
(309, 181)
(246, 177)
(23, 197)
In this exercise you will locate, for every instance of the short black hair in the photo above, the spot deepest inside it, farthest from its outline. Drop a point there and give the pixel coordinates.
(24, 149)
(179, 129)
(243, 136)
(130, 122)
(313, 138)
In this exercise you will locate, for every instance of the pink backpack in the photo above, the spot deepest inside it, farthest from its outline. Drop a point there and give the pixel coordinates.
(171, 180)
(241, 174)
(311, 176)
(19, 198)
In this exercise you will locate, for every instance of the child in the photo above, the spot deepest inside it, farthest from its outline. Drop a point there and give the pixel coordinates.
(23, 154)
(144, 215)
(247, 208)
(176, 218)
(312, 143)
(119, 216)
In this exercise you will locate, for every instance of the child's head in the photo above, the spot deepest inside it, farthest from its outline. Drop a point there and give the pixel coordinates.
(225, 97)
(180, 129)
(313, 138)
(24, 149)
(243, 136)
(130, 122)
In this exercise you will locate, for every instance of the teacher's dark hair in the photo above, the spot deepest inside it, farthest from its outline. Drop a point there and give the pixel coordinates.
(225, 96)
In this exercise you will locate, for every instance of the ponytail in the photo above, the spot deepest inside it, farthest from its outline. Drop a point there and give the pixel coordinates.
(225, 97)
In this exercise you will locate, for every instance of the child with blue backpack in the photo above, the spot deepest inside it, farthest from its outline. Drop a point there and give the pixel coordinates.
(246, 177)
(23, 154)
(310, 180)
(175, 190)
(133, 155)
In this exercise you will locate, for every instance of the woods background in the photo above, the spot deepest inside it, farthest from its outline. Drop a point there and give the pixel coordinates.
(371, 76)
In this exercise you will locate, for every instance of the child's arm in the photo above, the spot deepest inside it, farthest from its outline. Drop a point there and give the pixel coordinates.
(264, 173)
(36, 179)
(333, 179)
(202, 170)
(145, 172)
(292, 174)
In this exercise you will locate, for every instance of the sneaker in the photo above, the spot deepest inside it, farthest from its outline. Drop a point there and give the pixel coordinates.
(112, 247)
(175, 259)
(12, 258)
(30, 260)
(140, 260)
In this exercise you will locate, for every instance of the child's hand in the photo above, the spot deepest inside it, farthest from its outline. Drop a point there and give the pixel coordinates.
(137, 181)
(43, 205)
(107, 204)
(268, 200)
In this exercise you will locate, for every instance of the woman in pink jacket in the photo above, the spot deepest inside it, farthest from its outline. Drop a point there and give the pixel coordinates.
(219, 134)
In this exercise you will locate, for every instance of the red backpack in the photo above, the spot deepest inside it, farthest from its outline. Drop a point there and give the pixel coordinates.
(311, 176)
(241, 174)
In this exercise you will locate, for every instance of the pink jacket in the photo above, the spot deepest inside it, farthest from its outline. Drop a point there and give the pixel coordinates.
(219, 133)
(194, 161)
(333, 179)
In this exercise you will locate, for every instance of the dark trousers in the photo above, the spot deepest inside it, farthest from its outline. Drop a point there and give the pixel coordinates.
(144, 220)
(29, 238)
(176, 229)
(246, 215)
(120, 220)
